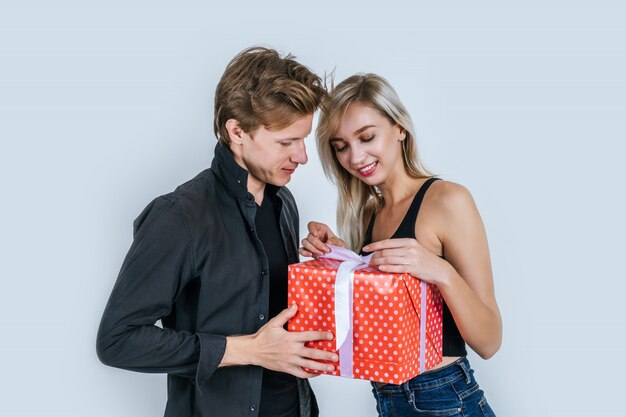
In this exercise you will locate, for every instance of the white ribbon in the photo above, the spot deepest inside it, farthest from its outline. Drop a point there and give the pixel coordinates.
(423, 312)
(344, 283)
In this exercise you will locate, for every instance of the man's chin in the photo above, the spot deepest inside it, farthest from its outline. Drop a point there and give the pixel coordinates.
(279, 180)
(280, 183)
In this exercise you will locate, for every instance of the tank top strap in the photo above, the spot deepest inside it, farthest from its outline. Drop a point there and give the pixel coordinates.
(407, 227)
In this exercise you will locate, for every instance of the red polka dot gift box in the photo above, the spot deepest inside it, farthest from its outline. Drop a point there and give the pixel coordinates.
(387, 327)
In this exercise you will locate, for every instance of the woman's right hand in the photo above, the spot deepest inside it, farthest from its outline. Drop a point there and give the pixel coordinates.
(314, 245)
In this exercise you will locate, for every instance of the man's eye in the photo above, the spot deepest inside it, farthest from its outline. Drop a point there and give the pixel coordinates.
(285, 143)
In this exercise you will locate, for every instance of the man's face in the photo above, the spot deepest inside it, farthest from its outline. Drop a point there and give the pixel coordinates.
(271, 157)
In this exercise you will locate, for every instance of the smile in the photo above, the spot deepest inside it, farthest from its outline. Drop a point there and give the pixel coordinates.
(368, 169)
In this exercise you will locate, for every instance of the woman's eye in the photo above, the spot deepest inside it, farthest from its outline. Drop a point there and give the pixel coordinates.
(368, 139)
(340, 149)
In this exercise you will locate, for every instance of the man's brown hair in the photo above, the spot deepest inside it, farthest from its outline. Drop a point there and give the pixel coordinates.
(261, 88)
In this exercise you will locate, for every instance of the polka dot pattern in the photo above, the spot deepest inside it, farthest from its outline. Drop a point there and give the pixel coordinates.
(386, 318)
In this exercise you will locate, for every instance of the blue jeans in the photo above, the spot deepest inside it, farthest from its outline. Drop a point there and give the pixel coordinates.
(448, 391)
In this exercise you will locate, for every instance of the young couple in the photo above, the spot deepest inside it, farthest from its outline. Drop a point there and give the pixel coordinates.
(210, 259)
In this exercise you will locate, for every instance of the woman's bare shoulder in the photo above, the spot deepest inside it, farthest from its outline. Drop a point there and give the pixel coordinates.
(450, 197)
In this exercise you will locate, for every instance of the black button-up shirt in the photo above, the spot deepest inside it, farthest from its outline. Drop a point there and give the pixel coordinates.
(197, 264)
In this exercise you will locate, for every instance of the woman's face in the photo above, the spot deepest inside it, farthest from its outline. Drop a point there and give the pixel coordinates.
(368, 145)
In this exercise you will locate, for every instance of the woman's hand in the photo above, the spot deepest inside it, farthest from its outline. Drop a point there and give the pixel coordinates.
(408, 256)
(314, 245)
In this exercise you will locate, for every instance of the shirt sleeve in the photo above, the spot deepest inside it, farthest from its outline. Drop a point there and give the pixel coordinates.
(157, 267)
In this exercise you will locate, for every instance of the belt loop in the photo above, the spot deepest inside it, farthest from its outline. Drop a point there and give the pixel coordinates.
(409, 394)
(466, 370)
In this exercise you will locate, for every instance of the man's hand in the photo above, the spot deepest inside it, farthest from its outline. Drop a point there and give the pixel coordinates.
(314, 244)
(275, 348)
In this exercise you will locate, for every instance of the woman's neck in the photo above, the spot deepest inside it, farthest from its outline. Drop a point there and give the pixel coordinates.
(398, 188)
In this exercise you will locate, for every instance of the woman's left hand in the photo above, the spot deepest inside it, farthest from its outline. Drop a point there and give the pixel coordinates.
(408, 256)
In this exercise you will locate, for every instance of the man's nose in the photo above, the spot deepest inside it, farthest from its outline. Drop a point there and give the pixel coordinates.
(299, 156)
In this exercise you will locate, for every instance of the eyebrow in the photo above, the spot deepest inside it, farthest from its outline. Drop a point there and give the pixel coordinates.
(362, 129)
(288, 139)
(356, 132)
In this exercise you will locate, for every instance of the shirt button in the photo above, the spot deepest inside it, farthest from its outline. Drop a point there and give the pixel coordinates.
(262, 272)
(252, 407)
(261, 316)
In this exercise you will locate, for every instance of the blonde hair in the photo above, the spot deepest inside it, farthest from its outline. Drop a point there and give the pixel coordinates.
(262, 88)
(357, 200)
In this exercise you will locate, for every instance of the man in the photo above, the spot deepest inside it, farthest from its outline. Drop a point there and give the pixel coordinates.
(210, 260)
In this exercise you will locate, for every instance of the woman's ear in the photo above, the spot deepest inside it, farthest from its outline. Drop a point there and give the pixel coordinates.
(402, 134)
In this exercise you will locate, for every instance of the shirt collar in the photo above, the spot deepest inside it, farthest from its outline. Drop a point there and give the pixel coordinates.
(233, 175)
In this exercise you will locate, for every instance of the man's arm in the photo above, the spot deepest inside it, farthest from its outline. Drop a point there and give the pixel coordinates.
(157, 267)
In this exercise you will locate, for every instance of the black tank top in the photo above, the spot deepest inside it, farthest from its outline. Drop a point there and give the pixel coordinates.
(453, 343)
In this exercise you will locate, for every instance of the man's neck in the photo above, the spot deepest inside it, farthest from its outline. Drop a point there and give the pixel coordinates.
(256, 188)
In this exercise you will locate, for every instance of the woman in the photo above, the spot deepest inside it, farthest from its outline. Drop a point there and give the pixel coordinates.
(413, 223)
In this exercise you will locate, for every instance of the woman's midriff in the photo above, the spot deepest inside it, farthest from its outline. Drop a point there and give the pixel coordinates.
(447, 360)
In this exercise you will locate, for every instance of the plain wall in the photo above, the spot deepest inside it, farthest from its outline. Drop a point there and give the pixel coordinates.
(106, 104)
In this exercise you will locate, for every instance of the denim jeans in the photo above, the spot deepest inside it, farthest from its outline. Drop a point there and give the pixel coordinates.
(449, 391)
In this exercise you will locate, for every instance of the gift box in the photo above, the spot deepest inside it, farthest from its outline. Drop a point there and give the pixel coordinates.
(387, 327)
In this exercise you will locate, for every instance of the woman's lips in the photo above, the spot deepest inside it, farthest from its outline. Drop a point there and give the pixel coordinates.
(368, 170)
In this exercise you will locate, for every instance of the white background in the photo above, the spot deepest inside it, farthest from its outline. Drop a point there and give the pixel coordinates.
(106, 104)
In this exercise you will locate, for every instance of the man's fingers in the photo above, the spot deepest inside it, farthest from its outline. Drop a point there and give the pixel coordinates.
(312, 336)
(300, 373)
(317, 366)
(284, 316)
(319, 354)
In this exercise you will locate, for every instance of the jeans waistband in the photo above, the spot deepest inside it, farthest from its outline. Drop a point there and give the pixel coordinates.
(457, 369)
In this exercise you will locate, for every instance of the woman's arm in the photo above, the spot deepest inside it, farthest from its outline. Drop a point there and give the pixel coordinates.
(464, 276)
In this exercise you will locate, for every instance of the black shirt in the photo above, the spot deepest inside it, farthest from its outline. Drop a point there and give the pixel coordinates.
(279, 391)
(197, 264)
